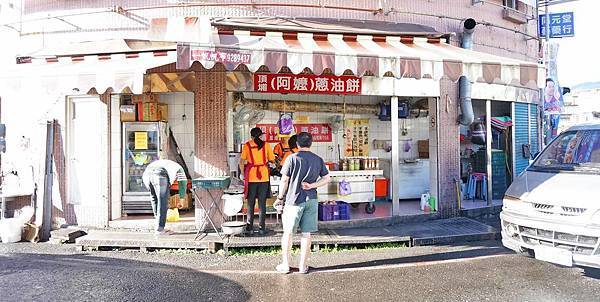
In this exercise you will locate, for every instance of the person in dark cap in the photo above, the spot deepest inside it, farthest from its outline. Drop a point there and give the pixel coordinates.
(256, 155)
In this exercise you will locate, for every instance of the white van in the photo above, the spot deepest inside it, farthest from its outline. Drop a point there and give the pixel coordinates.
(552, 210)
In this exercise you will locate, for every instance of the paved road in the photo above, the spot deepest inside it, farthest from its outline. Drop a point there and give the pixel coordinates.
(481, 271)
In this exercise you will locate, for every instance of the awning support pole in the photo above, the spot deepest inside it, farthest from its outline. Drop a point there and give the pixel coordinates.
(395, 157)
(488, 148)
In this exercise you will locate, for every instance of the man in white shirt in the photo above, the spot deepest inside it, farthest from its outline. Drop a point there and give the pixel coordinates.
(158, 178)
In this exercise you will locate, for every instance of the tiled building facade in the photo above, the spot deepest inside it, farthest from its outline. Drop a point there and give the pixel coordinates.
(495, 34)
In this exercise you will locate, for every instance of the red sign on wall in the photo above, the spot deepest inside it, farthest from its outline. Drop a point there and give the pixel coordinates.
(321, 132)
(313, 84)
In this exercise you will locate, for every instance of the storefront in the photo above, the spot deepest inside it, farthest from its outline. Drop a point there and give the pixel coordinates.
(372, 101)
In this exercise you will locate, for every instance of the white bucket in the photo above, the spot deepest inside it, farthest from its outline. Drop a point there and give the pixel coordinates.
(11, 230)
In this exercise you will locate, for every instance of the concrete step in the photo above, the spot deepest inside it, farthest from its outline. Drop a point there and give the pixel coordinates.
(442, 231)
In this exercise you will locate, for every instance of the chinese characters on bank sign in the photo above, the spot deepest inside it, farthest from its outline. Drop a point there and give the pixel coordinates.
(313, 84)
(220, 56)
(320, 132)
(561, 25)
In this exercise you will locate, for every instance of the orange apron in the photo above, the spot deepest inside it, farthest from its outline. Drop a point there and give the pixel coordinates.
(252, 164)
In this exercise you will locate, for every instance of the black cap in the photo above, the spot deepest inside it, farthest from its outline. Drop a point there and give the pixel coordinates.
(256, 132)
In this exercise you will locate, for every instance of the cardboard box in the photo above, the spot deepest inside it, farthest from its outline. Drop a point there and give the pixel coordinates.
(144, 98)
(423, 145)
(152, 112)
(270, 208)
(127, 113)
(187, 202)
(423, 148)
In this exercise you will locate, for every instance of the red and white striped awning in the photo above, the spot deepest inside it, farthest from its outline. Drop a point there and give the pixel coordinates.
(122, 71)
(401, 57)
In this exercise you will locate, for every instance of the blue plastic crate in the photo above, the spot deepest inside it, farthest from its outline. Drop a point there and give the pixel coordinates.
(212, 182)
(329, 212)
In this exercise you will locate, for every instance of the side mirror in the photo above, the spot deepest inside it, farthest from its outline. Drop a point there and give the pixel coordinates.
(526, 150)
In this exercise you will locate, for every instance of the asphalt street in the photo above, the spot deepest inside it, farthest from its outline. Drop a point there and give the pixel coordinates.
(480, 271)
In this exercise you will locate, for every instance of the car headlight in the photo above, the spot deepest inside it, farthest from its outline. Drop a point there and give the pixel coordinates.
(596, 218)
(511, 203)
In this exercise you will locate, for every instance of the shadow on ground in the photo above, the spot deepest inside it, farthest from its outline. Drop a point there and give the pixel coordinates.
(45, 277)
(466, 254)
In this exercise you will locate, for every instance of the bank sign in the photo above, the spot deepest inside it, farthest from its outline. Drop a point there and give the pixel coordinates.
(562, 25)
(307, 84)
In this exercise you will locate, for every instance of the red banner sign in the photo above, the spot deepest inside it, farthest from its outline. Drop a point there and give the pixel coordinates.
(313, 84)
(220, 56)
(321, 132)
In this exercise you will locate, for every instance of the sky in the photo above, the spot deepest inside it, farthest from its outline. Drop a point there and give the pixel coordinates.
(578, 60)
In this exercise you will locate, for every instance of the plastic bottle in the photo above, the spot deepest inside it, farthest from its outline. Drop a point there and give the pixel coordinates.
(432, 203)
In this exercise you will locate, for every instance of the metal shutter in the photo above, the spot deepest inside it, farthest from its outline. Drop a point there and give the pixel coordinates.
(521, 135)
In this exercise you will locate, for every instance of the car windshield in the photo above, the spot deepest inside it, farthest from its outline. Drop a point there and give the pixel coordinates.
(572, 151)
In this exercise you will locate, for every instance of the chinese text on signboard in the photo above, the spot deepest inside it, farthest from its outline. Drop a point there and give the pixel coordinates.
(560, 25)
(220, 56)
(357, 137)
(314, 84)
(320, 132)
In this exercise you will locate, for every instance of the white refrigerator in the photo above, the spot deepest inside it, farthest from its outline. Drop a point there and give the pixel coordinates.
(143, 143)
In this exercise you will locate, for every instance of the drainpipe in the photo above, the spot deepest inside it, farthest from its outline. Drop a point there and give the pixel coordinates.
(466, 107)
(464, 86)
(467, 36)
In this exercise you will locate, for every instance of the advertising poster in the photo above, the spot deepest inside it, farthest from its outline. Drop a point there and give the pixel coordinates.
(357, 138)
(553, 104)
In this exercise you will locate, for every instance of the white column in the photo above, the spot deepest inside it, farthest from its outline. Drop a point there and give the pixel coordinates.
(488, 146)
(395, 157)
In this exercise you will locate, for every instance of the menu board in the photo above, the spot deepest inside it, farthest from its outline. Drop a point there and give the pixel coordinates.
(357, 138)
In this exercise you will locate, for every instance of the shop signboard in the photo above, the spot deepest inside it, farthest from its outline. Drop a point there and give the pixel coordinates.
(561, 25)
(221, 56)
(307, 84)
(321, 132)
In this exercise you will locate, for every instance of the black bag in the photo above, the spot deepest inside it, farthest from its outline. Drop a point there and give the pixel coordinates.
(478, 133)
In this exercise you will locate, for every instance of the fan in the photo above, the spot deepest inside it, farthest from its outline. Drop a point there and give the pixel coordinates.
(336, 123)
(256, 116)
(242, 115)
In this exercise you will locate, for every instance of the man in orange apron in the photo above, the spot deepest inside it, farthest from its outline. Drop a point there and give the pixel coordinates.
(256, 155)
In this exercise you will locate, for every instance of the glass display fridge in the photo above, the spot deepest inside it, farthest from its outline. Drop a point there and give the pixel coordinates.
(143, 143)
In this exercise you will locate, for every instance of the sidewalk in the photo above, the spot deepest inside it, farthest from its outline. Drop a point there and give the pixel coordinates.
(443, 231)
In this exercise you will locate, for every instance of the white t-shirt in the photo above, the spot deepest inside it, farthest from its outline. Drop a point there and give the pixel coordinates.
(174, 170)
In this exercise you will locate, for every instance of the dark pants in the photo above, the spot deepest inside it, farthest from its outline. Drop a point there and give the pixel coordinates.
(261, 191)
(159, 188)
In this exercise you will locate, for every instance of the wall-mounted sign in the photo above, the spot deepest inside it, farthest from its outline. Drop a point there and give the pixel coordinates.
(221, 56)
(321, 132)
(312, 84)
(561, 25)
(357, 138)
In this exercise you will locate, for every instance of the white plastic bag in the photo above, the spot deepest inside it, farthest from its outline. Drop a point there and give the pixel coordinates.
(11, 229)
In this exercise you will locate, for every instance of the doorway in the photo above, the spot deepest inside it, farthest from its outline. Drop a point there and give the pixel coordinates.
(87, 165)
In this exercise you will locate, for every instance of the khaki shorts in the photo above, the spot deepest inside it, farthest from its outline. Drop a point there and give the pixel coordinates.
(304, 215)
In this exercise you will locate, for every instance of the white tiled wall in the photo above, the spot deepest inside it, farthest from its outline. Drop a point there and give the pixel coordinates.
(181, 121)
(115, 160)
